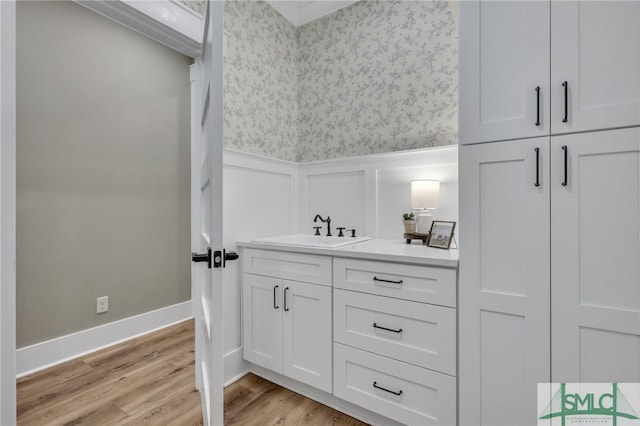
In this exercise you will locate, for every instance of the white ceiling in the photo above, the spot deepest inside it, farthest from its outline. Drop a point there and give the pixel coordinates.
(300, 12)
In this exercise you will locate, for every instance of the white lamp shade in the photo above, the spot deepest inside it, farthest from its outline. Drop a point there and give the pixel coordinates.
(425, 194)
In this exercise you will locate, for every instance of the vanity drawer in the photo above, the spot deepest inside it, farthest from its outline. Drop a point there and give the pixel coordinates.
(400, 391)
(297, 267)
(416, 333)
(410, 282)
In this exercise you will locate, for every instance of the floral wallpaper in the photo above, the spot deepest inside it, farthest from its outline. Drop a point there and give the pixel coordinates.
(377, 76)
(198, 6)
(260, 106)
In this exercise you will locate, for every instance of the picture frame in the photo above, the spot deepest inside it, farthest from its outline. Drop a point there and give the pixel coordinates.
(441, 234)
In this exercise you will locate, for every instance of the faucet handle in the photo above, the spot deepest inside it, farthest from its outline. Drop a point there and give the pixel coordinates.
(340, 233)
(317, 228)
(353, 232)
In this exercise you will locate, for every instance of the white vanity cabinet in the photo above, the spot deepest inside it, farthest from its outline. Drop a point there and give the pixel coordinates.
(287, 323)
(392, 354)
(536, 68)
(379, 337)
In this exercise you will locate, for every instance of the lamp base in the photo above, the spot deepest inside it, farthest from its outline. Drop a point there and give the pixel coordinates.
(424, 220)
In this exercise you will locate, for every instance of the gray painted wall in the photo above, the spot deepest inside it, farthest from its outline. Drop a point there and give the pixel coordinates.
(377, 76)
(103, 173)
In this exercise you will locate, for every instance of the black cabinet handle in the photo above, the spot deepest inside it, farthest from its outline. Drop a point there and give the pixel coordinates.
(375, 385)
(537, 167)
(285, 299)
(538, 106)
(275, 298)
(564, 148)
(566, 101)
(387, 281)
(375, 325)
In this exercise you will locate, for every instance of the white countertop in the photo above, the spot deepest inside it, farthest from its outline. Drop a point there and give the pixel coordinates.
(385, 250)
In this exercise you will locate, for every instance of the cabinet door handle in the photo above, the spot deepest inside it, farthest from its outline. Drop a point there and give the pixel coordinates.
(275, 299)
(387, 281)
(537, 167)
(375, 385)
(564, 148)
(285, 299)
(566, 101)
(375, 325)
(538, 106)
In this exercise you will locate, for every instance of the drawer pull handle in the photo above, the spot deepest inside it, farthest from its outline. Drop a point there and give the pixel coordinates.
(375, 325)
(387, 281)
(275, 303)
(285, 299)
(375, 385)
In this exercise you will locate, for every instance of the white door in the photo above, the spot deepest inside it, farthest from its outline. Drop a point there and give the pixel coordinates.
(595, 62)
(262, 320)
(7, 213)
(595, 246)
(208, 279)
(504, 70)
(504, 288)
(307, 338)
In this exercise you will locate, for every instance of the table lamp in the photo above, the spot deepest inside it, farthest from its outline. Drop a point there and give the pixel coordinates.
(425, 196)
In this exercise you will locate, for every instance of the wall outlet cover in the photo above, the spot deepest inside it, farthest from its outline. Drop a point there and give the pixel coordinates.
(102, 304)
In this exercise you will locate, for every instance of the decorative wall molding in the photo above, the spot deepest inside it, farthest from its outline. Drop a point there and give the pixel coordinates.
(303, 12)
(386, 188)
(164, 21)
(55, 351)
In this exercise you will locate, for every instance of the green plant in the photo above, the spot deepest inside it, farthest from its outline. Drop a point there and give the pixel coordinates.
(408, 216)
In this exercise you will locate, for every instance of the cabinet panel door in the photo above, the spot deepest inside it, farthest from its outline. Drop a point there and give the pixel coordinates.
(307, 334)
(262, 321)
(596, 255)
(595, 48)
(504, 287)
(504, 56)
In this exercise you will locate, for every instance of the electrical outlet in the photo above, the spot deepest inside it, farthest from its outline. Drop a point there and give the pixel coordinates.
(102, 305)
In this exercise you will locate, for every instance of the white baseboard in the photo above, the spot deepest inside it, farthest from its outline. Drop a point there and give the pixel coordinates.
(323, 397)
(234, 366)
(55, 351)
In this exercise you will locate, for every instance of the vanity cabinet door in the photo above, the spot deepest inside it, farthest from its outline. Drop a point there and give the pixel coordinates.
(262, 321)
(306, 311)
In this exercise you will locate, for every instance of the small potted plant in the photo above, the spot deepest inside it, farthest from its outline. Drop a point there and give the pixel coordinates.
(409, 223)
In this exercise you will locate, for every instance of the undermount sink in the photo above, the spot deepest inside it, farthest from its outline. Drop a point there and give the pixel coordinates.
(306, 240)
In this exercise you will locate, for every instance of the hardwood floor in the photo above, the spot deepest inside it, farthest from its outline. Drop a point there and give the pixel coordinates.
(254, 401)
(150, 380)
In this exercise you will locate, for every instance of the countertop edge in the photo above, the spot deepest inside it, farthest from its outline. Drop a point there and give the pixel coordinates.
(352, 254)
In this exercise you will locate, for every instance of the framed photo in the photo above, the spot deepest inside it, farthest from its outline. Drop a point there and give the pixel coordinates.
(441, 234)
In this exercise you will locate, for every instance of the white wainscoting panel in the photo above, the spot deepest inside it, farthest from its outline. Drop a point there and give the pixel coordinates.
(259, 196)
(371, 192)
(339, 195)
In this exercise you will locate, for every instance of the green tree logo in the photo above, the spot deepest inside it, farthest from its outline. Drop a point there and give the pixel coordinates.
(564, 404)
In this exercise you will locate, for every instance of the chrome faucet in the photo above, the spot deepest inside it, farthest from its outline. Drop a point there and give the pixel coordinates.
(327, 221)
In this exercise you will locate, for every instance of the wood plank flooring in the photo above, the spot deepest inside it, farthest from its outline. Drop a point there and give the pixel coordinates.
(150, 381)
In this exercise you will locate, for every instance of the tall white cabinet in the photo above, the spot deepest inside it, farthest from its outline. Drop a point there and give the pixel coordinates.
(534, 68)
(549, 285)
(504, 313)
(595, 252)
